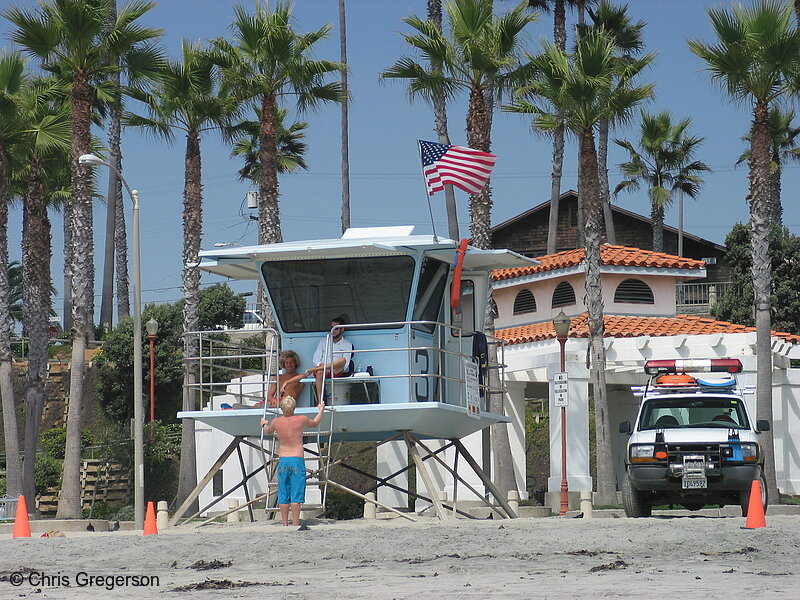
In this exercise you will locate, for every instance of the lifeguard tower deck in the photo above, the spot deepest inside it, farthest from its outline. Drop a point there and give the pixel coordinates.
(422, 369)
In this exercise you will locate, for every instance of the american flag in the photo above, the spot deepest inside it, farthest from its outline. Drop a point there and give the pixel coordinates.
(465, 168)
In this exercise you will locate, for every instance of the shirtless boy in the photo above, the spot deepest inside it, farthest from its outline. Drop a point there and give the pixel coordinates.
(288, 381)
(291, 465)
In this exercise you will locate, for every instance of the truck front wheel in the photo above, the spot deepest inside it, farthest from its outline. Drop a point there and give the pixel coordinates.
(744, 497)
(633, 501)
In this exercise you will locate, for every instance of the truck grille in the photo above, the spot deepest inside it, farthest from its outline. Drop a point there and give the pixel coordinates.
(677, 452)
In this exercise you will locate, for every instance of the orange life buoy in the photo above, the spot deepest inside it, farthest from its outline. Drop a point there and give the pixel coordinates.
(458, 263)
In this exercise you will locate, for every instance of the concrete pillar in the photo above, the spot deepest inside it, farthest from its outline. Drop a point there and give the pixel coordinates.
(234, 516)
(586, 503)
(162, 517)
(578, 477)
(513, 500)
(370, 510)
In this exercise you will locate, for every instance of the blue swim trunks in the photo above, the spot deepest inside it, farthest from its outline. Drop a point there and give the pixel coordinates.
(291, 480)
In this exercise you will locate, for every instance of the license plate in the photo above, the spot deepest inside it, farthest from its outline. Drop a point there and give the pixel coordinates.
(694, 483)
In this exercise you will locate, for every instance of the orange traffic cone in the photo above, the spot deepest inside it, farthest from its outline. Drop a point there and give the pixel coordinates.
(22, 528)
(755, 509)
(150, 527)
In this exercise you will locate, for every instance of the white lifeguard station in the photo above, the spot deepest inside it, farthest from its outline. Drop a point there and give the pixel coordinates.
(421, 355)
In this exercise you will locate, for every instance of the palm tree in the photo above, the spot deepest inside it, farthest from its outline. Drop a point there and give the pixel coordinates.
(479, 55)
(116, 236)
(627, 38)
(72, 40)
(439, 103)
(345, 115)
(664, 163)
(291, 147)
(43, 175)
(756, 59)
(560, 40)
(784, 146)
(12, 67)
(186, 98)
(583, 88)
(268, 61)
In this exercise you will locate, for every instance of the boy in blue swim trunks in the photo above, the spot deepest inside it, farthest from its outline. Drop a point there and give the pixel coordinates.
(291, 466)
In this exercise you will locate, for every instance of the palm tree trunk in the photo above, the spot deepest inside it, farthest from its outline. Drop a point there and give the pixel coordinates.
(775, 203)
(121, 249)
(440, 119)
(10, 426)
(269, 220)
(192, 233)
(345, 108)
(657, 220)
(602, 168)
(114, 127)
(560, 38)
(36, 286)
(114, 190)
(759, 223)
(69, 502)
(479, 137)
(606, 483)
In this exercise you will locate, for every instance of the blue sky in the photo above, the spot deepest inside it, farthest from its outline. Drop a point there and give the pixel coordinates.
(386, 185)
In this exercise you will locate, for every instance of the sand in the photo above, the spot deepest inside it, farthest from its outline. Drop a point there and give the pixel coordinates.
(683, 557)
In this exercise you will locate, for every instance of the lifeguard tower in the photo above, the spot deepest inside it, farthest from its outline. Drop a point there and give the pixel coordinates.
(419, 351)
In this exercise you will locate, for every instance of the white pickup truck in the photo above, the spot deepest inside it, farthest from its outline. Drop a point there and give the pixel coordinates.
(693, 441)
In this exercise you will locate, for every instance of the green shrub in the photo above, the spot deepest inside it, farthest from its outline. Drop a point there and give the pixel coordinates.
(126, 513)
(53, 441)
(47, 473)
(343, 506)
(100, 511)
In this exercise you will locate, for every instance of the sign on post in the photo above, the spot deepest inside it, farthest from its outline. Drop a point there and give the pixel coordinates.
(560, 389)
(472, 389)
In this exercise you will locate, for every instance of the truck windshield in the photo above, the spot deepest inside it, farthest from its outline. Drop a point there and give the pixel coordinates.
(706, 411)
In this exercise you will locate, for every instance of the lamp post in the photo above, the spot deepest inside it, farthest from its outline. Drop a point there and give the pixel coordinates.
(138, 409)
(561, 323)
(152, 330)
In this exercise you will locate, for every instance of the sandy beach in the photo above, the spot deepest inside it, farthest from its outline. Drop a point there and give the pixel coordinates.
(660, 557)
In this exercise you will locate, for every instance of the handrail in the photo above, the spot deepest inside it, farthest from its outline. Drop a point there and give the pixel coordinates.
(221, 362)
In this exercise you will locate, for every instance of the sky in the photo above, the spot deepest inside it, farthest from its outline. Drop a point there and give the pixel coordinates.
(386, 186)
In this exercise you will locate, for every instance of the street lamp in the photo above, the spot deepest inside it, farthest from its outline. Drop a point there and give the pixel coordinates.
(138, 416)
(152, 330)
(561, 323)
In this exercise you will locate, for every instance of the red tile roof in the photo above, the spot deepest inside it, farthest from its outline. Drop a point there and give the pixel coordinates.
(609, 255)
(627, 326)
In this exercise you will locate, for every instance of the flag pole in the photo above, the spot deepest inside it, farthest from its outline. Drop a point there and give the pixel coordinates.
(427, 195)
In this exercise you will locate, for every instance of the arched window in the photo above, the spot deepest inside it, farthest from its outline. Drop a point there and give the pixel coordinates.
(563, 295)
(634, 291)
(524, 303)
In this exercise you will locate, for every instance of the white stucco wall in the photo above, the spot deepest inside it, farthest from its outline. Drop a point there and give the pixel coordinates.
(663, 288)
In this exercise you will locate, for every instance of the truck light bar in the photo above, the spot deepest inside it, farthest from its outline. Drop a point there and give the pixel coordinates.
(697, 365)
